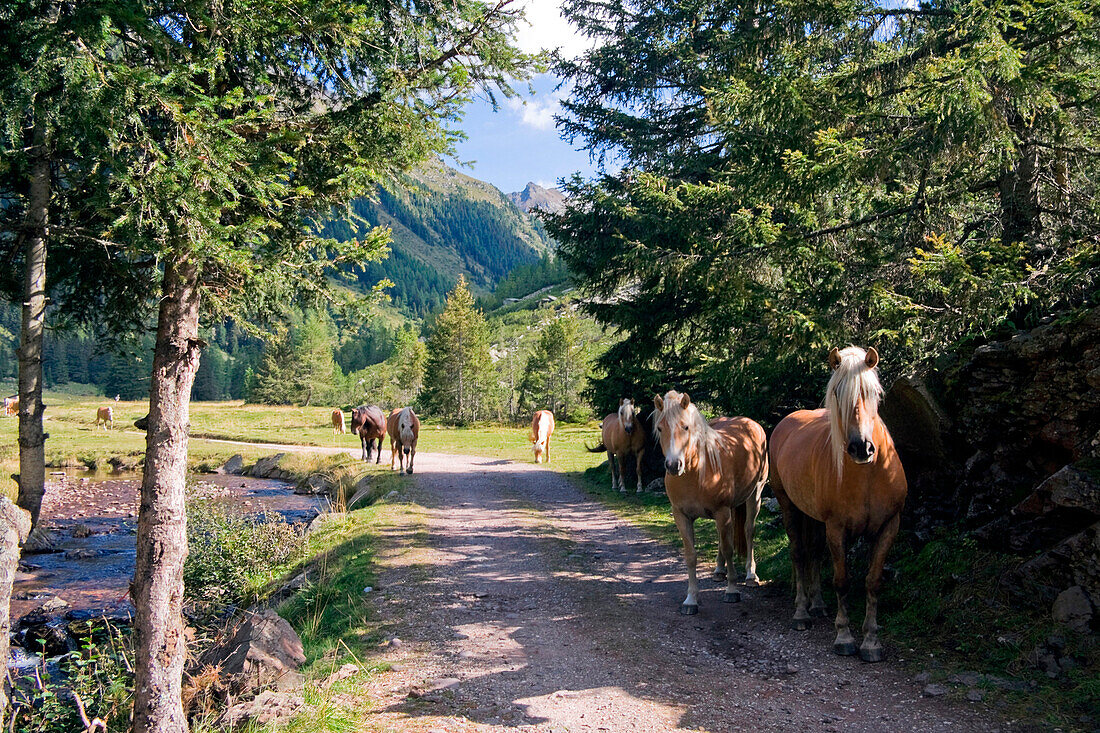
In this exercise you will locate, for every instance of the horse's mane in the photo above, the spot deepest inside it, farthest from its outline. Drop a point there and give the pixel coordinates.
(701, 431)
(852, 382)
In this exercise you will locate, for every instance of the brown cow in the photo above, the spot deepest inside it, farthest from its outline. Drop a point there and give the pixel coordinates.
(369, 424)
(105, 415)
(404, 428)
(338, 425)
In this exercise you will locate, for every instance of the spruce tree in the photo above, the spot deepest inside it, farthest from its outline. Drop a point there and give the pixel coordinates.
(458, 384)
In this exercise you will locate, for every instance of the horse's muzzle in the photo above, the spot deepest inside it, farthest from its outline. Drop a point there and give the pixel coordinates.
(676, 468)
(861, 451)
(406, 449)
(629, 428)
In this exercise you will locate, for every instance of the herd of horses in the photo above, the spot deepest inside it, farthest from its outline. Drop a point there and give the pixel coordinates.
(370, 424)
(834, 471)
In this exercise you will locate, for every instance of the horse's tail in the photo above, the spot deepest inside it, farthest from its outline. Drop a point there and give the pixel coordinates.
(600, 448)
(740, 539)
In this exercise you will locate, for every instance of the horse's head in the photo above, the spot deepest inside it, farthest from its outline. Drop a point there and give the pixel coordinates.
(679, 427)
(852, 399)
(626, 415)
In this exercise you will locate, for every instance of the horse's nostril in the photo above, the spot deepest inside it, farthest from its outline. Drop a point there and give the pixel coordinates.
(870, 449)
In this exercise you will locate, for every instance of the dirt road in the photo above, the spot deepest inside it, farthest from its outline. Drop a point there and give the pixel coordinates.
(529, 606)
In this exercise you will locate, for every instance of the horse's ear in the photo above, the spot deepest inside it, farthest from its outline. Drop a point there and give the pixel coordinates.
(685, 400)
(834, 358)
(658, 402)
(621, 401)
(872, 358)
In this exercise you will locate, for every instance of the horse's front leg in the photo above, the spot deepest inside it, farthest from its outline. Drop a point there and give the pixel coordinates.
(638, 456)
(393, 456)
(836, 538)
(686, 526)
(412, 455)
(724, 522)
(614, 473)
(815, 535)
(378, 458)
(871, 649)
(363, 447)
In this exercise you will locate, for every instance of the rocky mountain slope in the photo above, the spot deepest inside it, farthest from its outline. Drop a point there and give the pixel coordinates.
(535, 196)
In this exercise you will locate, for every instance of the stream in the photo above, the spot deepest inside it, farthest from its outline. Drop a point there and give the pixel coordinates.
(93, 519)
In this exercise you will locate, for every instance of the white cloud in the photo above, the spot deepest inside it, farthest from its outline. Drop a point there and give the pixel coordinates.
(547, 29)
(535, 112)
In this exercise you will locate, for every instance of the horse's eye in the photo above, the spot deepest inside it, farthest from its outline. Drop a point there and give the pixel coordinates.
(658, 428)
(683, 426)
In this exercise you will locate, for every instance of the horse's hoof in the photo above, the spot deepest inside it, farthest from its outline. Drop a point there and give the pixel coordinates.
(801, 624)
(731, 598)
(845, 648)
(872, 654)
(818, 612)
(718, 576)
(409, 472)
(689, 610)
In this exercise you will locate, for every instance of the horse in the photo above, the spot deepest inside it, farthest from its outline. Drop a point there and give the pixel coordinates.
(404, 428)
(836, 469)
(338, 425)
(105, 415)
(11, 406)
(622, 436)
(542, 427)
(717, 470)
(369, 424)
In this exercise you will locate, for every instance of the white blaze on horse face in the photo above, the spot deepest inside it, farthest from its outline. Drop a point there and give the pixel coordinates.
(673, 425)
(405, 428)
(852, 398)
(626, 415)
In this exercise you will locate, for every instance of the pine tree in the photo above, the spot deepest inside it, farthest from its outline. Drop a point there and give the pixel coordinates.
(458, 383)
(315, 371)
(556, 368)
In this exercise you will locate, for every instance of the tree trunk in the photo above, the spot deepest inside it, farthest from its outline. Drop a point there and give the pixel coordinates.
(32, 439)
(15, 525)
(157, 587)
(1021, 219)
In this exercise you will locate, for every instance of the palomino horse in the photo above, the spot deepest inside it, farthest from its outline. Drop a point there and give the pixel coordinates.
(11, 406)
(622, 436)
(404, 428)
(837, 467)
(106, 416)
(338, 425)
(369, 424)
(717, 470)
(542, 427)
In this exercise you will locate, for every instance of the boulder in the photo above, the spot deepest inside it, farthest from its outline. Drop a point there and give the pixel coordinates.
(315, 484)
(234, 466)
(1073, 561)
(267, 708)
(268, 467)
(1074, 608)
(263, 652)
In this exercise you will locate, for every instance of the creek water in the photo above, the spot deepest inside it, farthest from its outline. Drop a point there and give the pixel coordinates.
(93, 519)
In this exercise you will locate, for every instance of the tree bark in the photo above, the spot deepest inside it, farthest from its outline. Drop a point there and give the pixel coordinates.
(32, 439)
(157, 587)
(15, 525)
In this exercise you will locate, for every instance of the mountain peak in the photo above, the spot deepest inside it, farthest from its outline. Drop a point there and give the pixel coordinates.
(534, 196)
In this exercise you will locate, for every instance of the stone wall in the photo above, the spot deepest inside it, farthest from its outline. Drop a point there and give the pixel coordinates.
(1007, 443)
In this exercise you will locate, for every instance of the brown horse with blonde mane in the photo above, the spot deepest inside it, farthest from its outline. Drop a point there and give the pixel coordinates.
(403, 427)
(622, 435)
(718, 470)
(542, 427)
(836, 469)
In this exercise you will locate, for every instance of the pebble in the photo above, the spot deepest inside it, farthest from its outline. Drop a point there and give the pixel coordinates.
(791, 669)
(368, 589)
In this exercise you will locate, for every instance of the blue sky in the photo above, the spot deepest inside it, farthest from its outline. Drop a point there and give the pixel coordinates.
(519, 142)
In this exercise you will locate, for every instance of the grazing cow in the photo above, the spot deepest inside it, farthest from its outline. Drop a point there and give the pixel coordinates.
(11, 406)
(404, 428)
(106, 416)
(369, 424)
(338, 425)
(542, 427)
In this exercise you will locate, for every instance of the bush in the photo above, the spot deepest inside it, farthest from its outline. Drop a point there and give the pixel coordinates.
(230, 555)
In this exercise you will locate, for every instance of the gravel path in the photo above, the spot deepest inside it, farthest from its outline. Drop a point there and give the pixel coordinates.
(529, 606)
